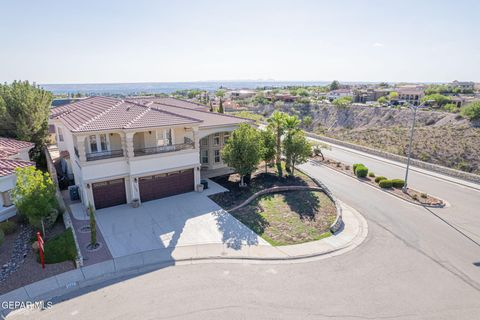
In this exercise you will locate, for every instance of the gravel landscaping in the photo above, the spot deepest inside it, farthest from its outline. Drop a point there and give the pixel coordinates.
(19, 262)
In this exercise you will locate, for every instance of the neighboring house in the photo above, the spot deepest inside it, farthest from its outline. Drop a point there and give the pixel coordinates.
(465, 86)
(335, 94)
(366, 95)
(411, 95)
(13, 154)
(139, 149)
(241, 94)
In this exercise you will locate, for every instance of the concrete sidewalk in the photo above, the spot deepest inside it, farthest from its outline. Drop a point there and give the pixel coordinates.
(355, 230)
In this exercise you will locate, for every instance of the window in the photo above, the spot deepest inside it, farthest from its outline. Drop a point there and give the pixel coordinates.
(93, 143)
(204, 141)
(103, 142)
(226, 136)
(217, 156)
(204, 156)
(164, 137)
(60, 134)
(98, 142)
(216, 139)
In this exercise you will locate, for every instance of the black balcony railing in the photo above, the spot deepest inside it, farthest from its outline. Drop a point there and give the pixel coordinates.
(163, 149)
(92, 156)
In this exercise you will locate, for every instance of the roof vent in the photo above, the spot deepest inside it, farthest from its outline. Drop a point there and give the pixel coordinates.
(128, 108)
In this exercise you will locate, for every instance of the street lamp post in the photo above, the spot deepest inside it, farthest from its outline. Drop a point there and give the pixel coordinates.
(414, 108)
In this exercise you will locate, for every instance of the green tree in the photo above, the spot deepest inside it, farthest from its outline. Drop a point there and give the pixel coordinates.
(276, 123)
(439, 99)
(393, 95)
(242, 151)
(220, 93)
(34, 196)
(382, 100)
(450, 107)
(93, 226)
(211, 106)
(297, 149)
(342, 102)
(268, 146)
(292, 124)
(307, 121)
(24, 112)
(220, 106)
(335, 85)
(471, 111)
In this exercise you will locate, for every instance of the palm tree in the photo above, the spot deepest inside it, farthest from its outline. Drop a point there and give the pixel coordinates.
(291, 126)
(276, 123)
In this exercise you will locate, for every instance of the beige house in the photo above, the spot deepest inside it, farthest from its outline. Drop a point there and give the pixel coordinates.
(139, 149)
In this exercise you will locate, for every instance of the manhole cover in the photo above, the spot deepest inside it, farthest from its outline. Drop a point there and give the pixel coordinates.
(84, 229)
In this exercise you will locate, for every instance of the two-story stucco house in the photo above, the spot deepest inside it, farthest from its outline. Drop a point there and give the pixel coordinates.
(139, 148)
(13, 154)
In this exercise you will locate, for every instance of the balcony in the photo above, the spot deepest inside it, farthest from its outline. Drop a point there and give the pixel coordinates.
(163, 149)
(92, 156)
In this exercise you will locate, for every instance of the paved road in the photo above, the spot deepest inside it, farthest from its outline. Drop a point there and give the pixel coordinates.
(413, 265)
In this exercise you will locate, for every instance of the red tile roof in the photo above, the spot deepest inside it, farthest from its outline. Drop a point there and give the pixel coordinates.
(8, 166)
(10, 147)
(103, 113)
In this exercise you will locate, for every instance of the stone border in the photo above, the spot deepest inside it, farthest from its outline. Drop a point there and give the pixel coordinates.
(418, 163)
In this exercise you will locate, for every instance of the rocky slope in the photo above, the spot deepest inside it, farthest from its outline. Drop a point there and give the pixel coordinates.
(441, 138)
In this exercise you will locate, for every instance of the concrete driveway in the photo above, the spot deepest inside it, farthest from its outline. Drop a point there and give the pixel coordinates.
(183, 220)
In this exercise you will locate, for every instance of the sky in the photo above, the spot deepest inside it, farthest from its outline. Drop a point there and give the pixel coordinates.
(173, 41)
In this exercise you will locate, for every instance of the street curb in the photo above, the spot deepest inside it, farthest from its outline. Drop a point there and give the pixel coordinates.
(83, 277)
(445, 203)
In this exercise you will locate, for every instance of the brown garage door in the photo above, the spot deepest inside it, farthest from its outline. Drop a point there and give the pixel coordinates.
(109, 193)
(166, 184)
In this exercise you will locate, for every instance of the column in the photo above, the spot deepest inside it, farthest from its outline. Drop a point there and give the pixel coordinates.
(6, 199)
(81, 148)
(196, 139)
(127, 145)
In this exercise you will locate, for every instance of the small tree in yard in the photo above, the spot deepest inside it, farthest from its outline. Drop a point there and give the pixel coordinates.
(93, 226)
(472, 111)
(34, 196)
(276, 123)
(243, 151)
(220, 106)
(268, 146)
(297, 149)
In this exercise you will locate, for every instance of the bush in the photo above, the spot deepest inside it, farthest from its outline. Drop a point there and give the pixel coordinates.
(355, 165)
(398, 183)
(380, 178)
(471, 111)
(424, 195)
(371, 175)
(8, 227)
(361, 171)
(61, 248)
(2, 236)
(385, 183)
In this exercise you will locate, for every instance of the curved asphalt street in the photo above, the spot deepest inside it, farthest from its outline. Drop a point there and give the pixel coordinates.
(416, 263)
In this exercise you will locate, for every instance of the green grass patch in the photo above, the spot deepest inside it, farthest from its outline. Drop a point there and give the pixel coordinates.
(289, 217)
(61, 248)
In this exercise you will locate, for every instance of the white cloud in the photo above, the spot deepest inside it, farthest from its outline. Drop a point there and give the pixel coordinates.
(378, 44)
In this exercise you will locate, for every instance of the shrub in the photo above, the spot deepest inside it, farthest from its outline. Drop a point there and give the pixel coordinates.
(380, 178)
(415, 197)
(8, 227)
(355, 165)
(60, 248)
(471, 111)
(424, 195)
(385, 183)
(361, 171)
(2, 236)
(371, 175)
(347, 167)
(398, 183)
(93, 226)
